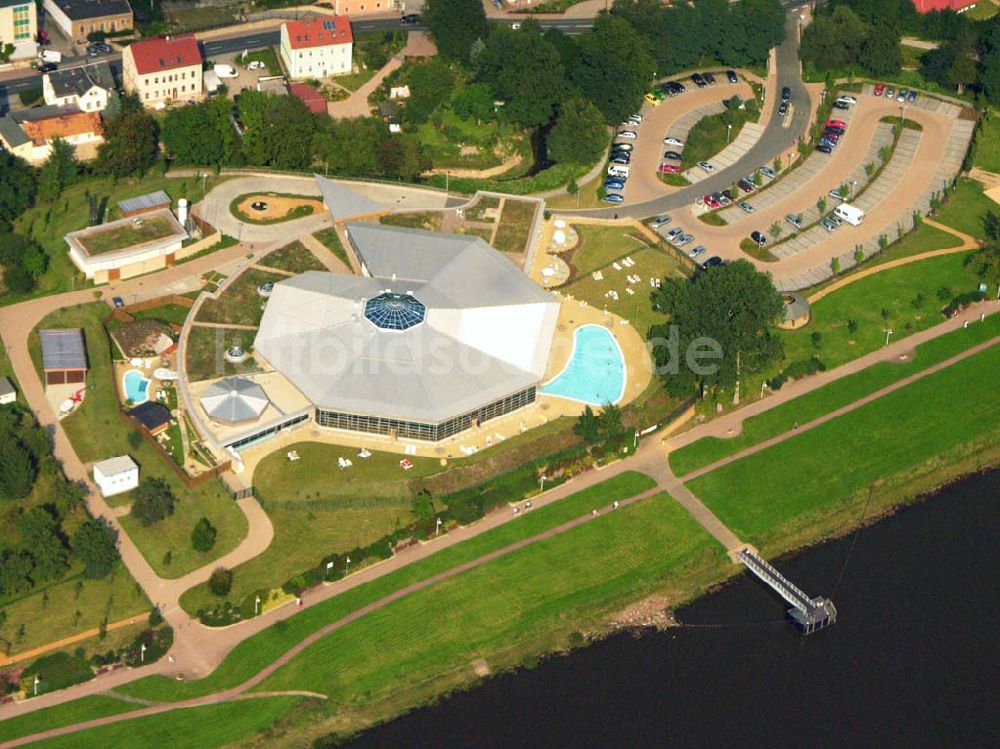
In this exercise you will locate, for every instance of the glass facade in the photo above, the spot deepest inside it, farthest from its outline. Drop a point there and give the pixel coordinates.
(264, 434)
(426, 431)
(395, 311)
(22, 22)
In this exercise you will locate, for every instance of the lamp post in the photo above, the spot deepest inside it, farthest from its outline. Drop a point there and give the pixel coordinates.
(762, 386)
(853, 183)
(37, 679)
(256, 602)
(888, 333)
(437, 530)
(728, 130)
(142, 653)
(541, 486)
(347, 567)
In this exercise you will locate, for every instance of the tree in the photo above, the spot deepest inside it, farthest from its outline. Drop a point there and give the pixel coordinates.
(278, 130)
(588, 426)
(833, 40)
(431, 84)
(42, 537)
(23, 261)
(734, 307)
(614, 67)
(455, 25)
(986, 263)
(58, 171)
(221, 581)
(18, 468)
(579, 135)
(130, 145)
(95, 544)
(403, 156)
(190, 136)
(153, 501)
(15, 571)
(880, 53)
(525, 71)
(17, 187)
(474, 102)
(203, 535)
(821, 204)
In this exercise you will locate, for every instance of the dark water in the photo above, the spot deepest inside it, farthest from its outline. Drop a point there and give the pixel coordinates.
(914, 659)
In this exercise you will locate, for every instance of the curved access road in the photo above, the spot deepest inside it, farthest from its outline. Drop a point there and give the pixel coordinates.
(779, 136)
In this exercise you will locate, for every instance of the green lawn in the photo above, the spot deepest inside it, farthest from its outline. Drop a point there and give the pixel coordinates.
(77, 711)
(239, 303)
(256, 652)
(174, 314)
(846, 390)
(863, 301)
(294, 257)
(966, 207)
(205, 349)
(329, 239)
(429, 220)
(710, 135)
(986, 151)
(516, 221)
(600, 246)
(204, 727)
(266, 56)
(550, 586)
(48, 223)
(152, 227)
(924, 238)
(768, 497)
(97, 433)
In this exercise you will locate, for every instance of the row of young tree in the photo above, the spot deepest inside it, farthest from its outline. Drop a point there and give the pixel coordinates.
(864, 36)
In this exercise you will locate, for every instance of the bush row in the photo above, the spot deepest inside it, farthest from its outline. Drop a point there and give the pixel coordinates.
(795, 370)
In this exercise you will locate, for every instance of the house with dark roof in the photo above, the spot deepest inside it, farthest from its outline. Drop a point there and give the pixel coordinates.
(317, 47)
(163, 70)
(150, 415)
(79, 18)
(29, 133)
(64, 355)
(87, 87)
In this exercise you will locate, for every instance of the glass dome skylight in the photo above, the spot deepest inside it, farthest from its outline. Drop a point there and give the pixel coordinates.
(391, 311)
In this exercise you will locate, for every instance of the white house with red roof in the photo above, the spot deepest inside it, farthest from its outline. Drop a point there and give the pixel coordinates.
(317, 47)
(163, 70)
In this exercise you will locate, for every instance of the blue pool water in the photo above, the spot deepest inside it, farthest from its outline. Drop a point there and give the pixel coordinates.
(595, 373)
(135, 386)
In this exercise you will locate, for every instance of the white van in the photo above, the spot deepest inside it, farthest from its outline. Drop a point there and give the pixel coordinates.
(51, 55)
(850, 214)
(618, 170)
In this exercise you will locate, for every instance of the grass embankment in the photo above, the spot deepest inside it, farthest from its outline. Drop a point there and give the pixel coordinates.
(817, 482)
(966, 208)
(85, 708)
(255, 652)
(329, 239)
(516, 221)
(49, 223)
(712, 133)
(206, 727)
(294, 258)
(96, 433)
(986, 151)
(830, 397)
(239, 303)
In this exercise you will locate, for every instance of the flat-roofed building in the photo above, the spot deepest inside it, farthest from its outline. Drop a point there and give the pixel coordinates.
(87, 87)
(317, 47)
(7, 392)
(116, 475)
(64, 355)
(77, 19)
(151, 201)
(164, 69)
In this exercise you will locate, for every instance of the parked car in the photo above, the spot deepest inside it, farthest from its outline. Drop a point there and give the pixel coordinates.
(827, 142)
(118, 302)
(410, 18)
(912, 96)
(621, 158)
(627, 134)
(94, 51)
(622, 146)
(731, 76)
(746, 207)
(47, 67)
(746, 186)
(636, 118)
(683, 239)
(708, 78)
(795, 219)
(614, 184)
(670, 169)
(713, 262)
(901, 96)
(847, 99)
(706, 166)
(768, 172)
(671, 141)
(255, 65)
(728, 195)
(698, 81)
(674, 233)
(879, 89)
(653, 99)
(786, 94)
(824, 148)
(841, 105)
(828, 225)
(890, 92)
(783, 109)
(711, 202)
(662, 220)
(836, 193)
(835, 123)
(672, 155)
(225, 71)
(614, 197)
(721, 199)
(837, 131)
(677, 87)
(758, 238)
(696, 251)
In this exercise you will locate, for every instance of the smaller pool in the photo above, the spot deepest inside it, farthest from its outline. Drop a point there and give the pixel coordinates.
(595, 373)
(136, 386)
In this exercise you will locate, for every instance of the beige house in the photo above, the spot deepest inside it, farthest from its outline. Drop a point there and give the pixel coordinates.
(79, 18)
(19, 26)
(375, 7)
(317, 47)
(164, 70)
(29, 133)
(86, 87)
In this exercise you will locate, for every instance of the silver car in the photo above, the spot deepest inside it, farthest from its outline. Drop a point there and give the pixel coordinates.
(768, 172)
(696, 251)
(662, 220)
(746, 207)
(674, 233)
(683, 239)
(706, 166)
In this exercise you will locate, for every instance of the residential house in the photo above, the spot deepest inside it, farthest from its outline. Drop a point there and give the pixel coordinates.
(29, 133)
(77, 19)
(163, 70)
(19, 26)
(372, 7)
(317, 47)
(116, 475)
(87, 87)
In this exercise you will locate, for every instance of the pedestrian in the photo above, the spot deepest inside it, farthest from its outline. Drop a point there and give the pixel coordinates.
(594, 513)
(795, 425)
(966, 324)
(298, 601)
(615, 505)
(527, 505)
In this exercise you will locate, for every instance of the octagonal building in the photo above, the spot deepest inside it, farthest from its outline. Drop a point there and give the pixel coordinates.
(440, 333)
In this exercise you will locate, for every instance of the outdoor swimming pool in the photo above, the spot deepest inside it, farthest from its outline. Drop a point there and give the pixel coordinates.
(595, 373)
(136, 386)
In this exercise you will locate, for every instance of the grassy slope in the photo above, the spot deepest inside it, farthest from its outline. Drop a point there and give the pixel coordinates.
(829, 398)
(86, 708)
(547, 586)
(204, 727)
(254, 653)
(965, 208)
(788, 486)
(986, 153)
(97, 433)
(239, 303)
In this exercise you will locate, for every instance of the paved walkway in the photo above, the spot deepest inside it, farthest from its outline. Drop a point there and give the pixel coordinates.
(78, 637)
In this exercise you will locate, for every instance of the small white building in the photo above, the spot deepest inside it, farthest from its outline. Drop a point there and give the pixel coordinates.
(7, 392)
(317, 47)
(116, 475)
(86, 87)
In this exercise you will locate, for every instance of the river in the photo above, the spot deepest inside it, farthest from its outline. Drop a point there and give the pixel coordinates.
(913, 660)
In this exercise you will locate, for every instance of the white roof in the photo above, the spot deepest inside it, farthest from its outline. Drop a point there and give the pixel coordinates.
(480, 328)
(115, 466)
(234, 399)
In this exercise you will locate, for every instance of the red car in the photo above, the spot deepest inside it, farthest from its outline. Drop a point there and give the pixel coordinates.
(669, 169)
(879, 88)
(836, 123)
(711, 202)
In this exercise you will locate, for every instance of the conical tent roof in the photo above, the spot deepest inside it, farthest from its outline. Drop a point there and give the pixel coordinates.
(234, 399)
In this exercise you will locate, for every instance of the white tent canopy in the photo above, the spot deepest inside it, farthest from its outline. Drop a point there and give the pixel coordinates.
(234, 399)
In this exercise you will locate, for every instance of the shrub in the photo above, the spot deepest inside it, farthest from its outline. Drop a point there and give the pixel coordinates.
(56, 671)
(203, 535)
(154, 500)
(155, 617)
(221, 581)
